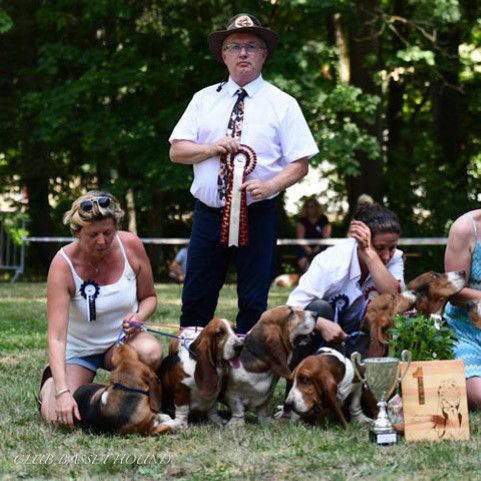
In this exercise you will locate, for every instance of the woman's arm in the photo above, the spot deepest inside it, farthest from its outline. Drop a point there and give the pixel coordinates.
(301, 234)
(140, 262)
(458, 255)
(383, 279)
(59, 292)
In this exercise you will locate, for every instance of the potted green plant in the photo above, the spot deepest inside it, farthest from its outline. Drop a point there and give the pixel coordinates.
(426, 339)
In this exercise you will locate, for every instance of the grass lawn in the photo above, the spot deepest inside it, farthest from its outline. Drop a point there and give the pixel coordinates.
(34, 450)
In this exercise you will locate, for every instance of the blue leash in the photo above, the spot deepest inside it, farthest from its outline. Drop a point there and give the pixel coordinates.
(144, 328)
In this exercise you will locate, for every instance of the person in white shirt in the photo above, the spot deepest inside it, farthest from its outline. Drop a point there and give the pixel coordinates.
(342, 279)
(270, 141)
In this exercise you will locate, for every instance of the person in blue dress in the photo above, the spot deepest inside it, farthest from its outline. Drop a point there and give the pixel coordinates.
(463, 252)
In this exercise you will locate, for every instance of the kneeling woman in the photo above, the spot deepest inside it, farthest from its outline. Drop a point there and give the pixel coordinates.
(341, 279)
(95, 286)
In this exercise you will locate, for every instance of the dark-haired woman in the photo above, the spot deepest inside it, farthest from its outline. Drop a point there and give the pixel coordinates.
(341, 279)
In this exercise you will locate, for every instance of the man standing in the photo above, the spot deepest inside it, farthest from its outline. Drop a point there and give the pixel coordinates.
(247, 141)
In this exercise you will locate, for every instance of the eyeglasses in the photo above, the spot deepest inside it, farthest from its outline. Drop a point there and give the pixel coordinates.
(237, 47)
(102, 201)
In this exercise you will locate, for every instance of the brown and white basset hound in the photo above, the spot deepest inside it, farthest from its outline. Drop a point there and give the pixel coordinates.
(433, 290)
(129, 403)
(264, 358)
(192, 373)
(427, 293)
(322, 384)
(379, 318)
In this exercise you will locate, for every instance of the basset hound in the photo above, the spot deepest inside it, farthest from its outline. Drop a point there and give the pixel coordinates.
(427, 294)
(264, 358)
(129, 403)
(286, 280)
(322, 384)
(192, 373)
(433, 290)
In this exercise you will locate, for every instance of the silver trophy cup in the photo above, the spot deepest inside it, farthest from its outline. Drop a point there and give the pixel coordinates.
(381, 377)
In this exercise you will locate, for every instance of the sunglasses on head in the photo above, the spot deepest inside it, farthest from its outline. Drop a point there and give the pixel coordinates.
(102, 201)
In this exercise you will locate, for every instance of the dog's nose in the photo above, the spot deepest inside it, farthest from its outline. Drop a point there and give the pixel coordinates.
(238, 347)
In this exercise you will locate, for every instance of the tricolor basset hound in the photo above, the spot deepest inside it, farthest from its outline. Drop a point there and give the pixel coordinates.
(433, 290)
(427, 293)
(128, 404)
(192, 373)
(264, 358)
(323, 383)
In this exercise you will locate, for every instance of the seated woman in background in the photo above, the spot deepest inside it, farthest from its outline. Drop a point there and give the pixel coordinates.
(312, 224)
(95, 285)
(463, 252)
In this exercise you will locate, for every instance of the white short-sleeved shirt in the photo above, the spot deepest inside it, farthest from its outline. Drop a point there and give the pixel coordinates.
(273, 126)
(334, 276)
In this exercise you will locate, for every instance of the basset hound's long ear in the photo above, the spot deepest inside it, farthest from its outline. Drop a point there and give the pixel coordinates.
(205, 374)
(123, 352)
(326, 388)
(268, 345)
(155, 391)
(420, 283)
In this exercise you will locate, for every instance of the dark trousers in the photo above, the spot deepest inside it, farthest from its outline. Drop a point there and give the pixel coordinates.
(208, 261)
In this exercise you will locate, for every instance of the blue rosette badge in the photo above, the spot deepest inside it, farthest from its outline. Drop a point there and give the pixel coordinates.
(89, 291)
(339, 303)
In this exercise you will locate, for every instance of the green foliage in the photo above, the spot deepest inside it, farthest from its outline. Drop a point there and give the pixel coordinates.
(6, 23)
(422, 338)
(91, 91)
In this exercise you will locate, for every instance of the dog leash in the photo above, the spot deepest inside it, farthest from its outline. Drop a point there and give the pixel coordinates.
(140, 325)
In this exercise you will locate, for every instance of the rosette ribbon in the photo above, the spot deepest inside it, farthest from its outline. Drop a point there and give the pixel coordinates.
(235, 228)
(89, 291)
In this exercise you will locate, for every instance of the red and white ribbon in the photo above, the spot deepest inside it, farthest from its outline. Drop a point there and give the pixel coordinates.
(234, 229)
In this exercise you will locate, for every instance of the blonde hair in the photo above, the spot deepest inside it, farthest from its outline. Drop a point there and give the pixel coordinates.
(76, 218)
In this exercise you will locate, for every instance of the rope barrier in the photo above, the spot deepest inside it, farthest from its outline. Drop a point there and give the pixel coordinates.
(403, 241)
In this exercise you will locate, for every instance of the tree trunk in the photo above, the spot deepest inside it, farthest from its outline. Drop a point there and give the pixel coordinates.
(364, 59)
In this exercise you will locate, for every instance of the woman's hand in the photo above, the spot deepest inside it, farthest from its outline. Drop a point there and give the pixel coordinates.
(130, 330)
(66, 408)
(361, 232)
(330, 331)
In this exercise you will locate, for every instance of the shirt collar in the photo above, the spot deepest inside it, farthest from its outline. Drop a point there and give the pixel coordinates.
(251, 88)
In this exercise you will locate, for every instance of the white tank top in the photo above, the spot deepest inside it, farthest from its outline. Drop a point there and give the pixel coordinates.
(113, 303)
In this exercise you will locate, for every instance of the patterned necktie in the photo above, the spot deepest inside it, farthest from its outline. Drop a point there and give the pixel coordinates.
(234, 129)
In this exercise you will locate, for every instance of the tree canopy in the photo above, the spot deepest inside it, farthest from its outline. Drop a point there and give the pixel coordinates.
(91, 89)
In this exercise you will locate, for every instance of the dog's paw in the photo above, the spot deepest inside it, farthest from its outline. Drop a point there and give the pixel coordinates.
(162, 418)
(235, 423)
(265, 419)
(362, 419)
(216, 419)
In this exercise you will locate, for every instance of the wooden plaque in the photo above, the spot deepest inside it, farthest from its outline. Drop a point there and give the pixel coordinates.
(434, 401)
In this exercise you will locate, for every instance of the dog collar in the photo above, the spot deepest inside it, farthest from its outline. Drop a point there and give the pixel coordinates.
(123, 387)
(345, 386)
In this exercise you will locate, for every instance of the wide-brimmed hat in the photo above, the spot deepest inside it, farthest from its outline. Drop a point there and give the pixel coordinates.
(242, 22)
